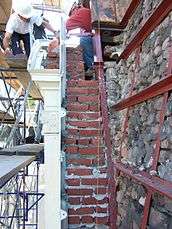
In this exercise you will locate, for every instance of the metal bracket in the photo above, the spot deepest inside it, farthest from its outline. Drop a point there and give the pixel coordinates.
(63, 214)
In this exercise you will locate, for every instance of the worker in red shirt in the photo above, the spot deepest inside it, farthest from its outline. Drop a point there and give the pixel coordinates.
(80, 17)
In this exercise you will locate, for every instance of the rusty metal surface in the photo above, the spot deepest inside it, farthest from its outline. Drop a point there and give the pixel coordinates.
(156, 153)
(150, 182)
(107, 138)
(129, 12)
(103, 10)
(152, 22)
(154, 90)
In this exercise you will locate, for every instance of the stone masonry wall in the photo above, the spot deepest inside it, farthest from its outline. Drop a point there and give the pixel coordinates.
(146, 68)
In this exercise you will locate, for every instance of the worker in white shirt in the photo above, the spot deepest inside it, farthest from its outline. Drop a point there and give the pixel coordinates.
(20, 26)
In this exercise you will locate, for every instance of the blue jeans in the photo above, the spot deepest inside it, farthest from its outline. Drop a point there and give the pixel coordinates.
(15, 43)
(88, 55)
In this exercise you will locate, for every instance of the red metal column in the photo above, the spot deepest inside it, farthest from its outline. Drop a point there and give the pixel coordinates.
(156, 153)
(104, 108)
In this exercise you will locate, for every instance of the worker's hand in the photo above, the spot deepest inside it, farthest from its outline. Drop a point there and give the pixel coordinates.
(7, 52)
(53, 44)
(56, 34)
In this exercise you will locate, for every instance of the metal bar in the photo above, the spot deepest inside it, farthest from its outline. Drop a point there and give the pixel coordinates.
(104, 109)
(8, 94)
(129, 12)
(19, 117)
(150, 92)
(9, 78)
(13, 70)
(18, 99)
(156, 152)
(7, 177)
(151, 182)
(153, 21)
(98, 48)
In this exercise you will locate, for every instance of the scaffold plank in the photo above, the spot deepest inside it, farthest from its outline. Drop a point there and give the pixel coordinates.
(11, 165)
(26, 149)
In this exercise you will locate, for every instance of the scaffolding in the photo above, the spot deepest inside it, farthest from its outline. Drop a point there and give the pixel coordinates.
(19, 193)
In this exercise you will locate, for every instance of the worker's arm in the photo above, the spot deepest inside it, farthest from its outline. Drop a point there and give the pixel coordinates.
(1, 51)
(47, 25)
(6, 43)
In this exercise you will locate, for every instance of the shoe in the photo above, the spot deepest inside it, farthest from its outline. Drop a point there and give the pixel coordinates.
(89, 74)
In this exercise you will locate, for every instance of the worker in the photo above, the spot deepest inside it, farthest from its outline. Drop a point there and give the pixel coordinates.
(80, 17)
(19, 28)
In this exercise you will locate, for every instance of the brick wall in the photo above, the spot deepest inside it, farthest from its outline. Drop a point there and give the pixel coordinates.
(85, 174)
(86, 179)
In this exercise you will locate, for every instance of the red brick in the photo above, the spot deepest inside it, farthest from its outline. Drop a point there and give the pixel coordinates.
(72, 83)
(82, 83)
(93, 201)
(101, 220)
(52, 55)
(88, 99)
(89, 200)
(72, 98)
(81, 211)
(73, 182)
(72, 131)
(79, 172)
(101, 210)
(71, 149)
(74, 200)
(52, 66)
(79, 192)
(86, 162)
(70, 141)
(84, 124)
(93, 91)
(89, 132)
(73, 220)
(73, 115)
(85, 115)
(87, 219)
(99, 161)
(94, 181)
(86, 83)
(94, 107)
(77, 91)
(96, 141)
(90, 150)
(77, 107)
(83, 141)
(101, 191)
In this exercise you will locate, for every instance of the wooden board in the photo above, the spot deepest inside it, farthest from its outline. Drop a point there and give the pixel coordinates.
(24, 149)
(7, 116)
(19, 62)
(11, 165)
(5, 9)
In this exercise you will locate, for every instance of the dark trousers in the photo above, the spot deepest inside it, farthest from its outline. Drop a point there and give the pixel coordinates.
(15, 43)
(88, 55)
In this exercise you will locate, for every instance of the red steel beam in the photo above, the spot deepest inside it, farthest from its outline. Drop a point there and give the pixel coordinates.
(152, 183)
(99, 67)
(154, 90)
(129, 12)
(153, 21)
